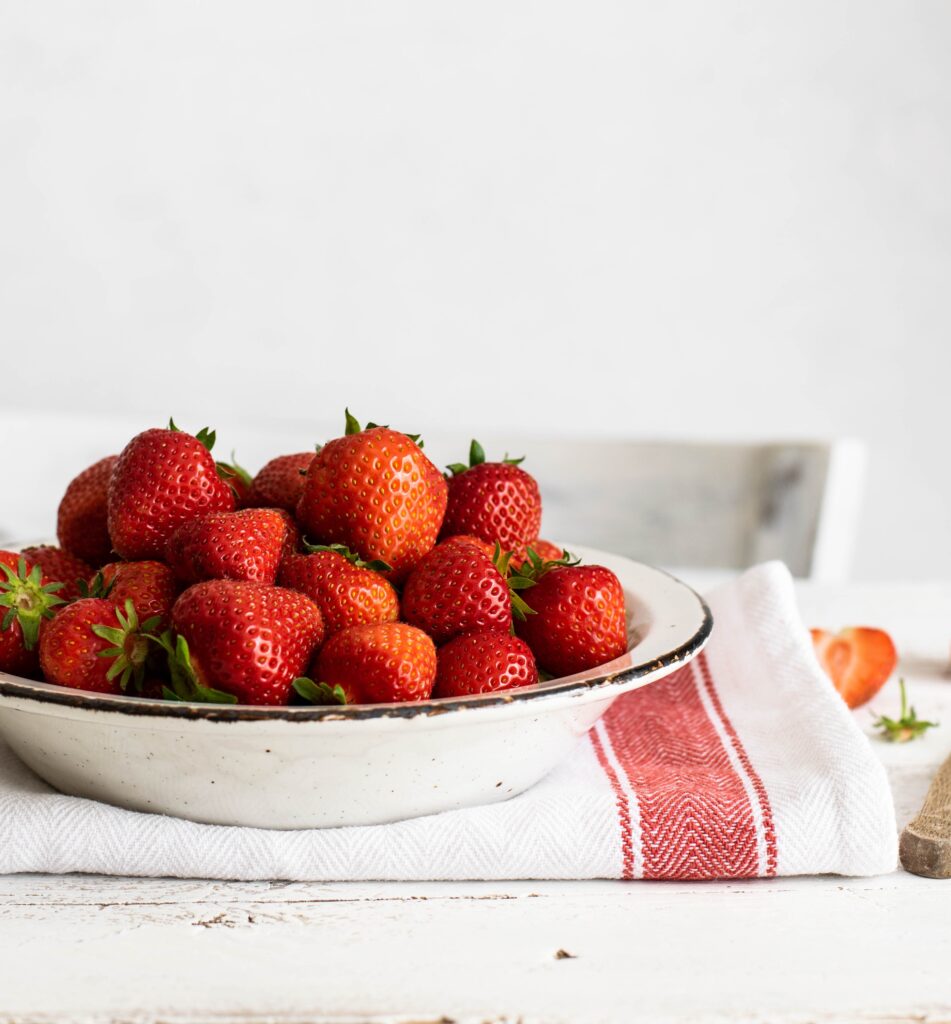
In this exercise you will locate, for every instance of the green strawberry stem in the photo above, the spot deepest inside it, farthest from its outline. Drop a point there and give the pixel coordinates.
(908, 726)
(319, 693)
(130, 646)
(477, 457)
(376, 564)
(27, 599)
(186, 685)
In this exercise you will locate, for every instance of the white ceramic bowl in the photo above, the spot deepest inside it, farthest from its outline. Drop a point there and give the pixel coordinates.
(318, 767)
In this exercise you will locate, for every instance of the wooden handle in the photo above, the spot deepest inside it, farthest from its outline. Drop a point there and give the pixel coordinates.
(925, 847)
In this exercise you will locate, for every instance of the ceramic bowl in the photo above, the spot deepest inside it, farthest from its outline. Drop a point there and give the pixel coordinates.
(319, 767)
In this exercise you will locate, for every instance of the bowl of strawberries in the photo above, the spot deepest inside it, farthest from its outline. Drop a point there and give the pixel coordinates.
(349, 637)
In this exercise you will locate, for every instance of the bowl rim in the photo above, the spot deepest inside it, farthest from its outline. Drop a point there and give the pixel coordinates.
(612, 675)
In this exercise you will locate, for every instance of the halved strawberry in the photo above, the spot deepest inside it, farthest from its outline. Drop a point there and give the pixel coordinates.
(858, 660)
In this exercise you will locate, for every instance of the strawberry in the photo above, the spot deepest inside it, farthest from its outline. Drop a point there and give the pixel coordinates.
(244, 545)
(456, 589)
(466, 538)
(280, 482)
(150, 586)
(27, 598)
(858, 660)
(81, 523)
(484, 662)
(93, 645)
(545, 550)
(347, 590)
(497, 501)
(249, 640)
(60, 566)
(239, 480)
(292, 540)
(375, 664)
(375, 492)
(163, 478)
(579, 617)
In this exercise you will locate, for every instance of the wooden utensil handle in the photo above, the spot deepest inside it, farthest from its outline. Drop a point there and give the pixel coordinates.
(925, 847)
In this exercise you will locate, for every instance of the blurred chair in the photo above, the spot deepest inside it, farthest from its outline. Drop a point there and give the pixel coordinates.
(706, 505)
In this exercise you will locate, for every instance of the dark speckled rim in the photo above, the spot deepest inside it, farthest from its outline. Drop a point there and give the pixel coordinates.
(606, 676)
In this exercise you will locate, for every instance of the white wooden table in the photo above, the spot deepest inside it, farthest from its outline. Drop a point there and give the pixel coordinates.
(808, 949)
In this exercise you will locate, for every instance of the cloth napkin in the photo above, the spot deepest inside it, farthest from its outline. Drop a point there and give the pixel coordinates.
(744, 763)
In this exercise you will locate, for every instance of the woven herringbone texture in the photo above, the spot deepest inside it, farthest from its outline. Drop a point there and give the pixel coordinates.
(745, 763)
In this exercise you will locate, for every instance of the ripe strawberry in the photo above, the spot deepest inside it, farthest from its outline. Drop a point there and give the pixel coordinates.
(280, 482)
(484, 662)
(93, 645)
(245, 545)
(81, 525)
(858, 660)
(292, 540)
(347, 590)
(27, 598)
(579, 619)
(376, 664)
(456, 589)
(376, 492)
(150, 586)
(163, 478)
(239, 480)
(249, 640)
(60, 566)
(466, 538)
(497, 501)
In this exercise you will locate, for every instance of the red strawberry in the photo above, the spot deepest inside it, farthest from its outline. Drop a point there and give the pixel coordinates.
(280, 482)
(376, 664)
(347, 591)
(239, 480)
(292, 540)
(163, 478)
(81, 524)
(249, 640)
(456, 589)
(93, 645)
(245, 545)
(60, 566)
(375, 492)
(150, 586)
(484, 662)
(858, 660)
(466, 538)
(497, 501)
(27, 598)
(579, 619)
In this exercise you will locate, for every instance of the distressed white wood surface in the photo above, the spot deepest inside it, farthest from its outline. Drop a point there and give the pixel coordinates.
(88, 949)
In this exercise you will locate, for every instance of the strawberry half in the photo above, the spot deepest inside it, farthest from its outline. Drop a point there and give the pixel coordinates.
(249, 640)
(280, 482)
(81, 520)
(579, 619)
(496, 501)
(375, 492)
(347, 590)
(376, 664)
(245, 545)
(60, 566)
(456, 589)
(27, 598)
(483, 663)
(858, 660)
(163, 478)
(93, 645)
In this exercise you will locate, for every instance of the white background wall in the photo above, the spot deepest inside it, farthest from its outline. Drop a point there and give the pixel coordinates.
(716, 219)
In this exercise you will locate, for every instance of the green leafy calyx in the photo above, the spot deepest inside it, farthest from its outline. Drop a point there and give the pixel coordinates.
(353, 427)
(206, 435)
(185, 684)
(376, 564)
(26, 599)
(477, 458)
(319, 693)
(908, 726)
(130, 646)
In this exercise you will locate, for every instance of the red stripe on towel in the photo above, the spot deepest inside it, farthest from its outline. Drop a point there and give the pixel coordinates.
(695, 814)
(623, 807)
